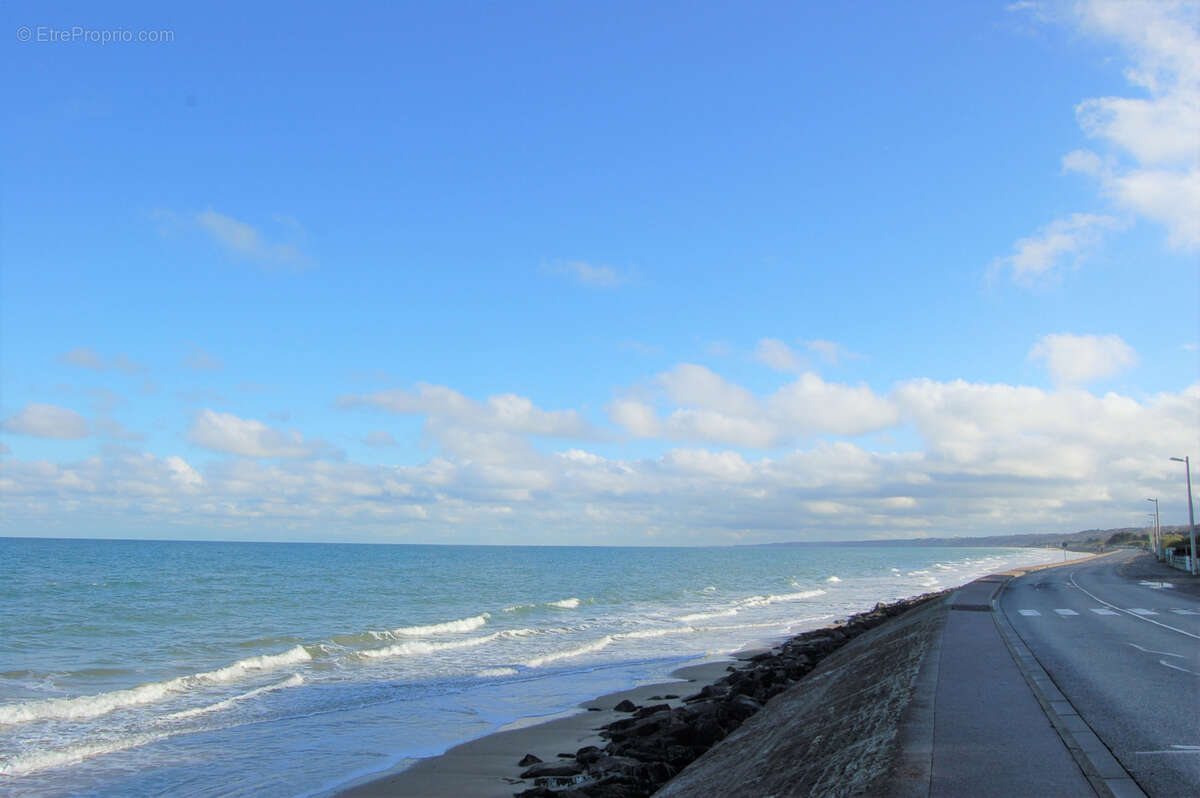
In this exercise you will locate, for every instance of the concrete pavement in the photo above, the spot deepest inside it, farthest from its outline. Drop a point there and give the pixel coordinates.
(985, 720)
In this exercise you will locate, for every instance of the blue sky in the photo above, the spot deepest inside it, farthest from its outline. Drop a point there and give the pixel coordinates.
(611, 273)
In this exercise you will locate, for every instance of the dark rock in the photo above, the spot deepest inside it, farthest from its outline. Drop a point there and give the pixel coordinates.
(669, 696)
(625, 706)
(527, 760)
(588, 754)
(553, 770)
(644, 711)
(595, 709)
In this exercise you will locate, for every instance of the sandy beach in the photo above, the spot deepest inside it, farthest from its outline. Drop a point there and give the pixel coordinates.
(488, 767)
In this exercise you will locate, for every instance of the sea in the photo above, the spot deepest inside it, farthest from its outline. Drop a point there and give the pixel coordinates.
(137, 668)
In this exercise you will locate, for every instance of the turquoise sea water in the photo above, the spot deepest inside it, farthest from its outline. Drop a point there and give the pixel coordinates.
(141, 668)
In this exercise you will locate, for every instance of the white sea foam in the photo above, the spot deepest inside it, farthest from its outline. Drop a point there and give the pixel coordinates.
(833, 579)
(449, 627)
(710, 589)
(516, 607)
(703, 616)
(646, 634)
(763, 601)
(295, 680)
(419, 648)
(554, 656)
(491, 673)
(567, 603)
(34, 761)
(91, 706)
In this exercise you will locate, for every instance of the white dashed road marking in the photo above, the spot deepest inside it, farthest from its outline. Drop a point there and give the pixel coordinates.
(1185, 612)
(1141, 611)
(1151, 651)
(1066, 612)
(1029, 612)
(1164, 663)
(1102, 611)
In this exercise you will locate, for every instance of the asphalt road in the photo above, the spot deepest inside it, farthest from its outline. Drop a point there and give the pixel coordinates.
(1120, 636)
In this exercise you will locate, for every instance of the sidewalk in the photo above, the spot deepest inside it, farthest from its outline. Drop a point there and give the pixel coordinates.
(975, 726)
(990, 735)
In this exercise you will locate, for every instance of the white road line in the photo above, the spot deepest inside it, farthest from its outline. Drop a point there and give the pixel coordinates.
(1066, 612)
(1115, 607)
(1176, 667)
(1185, 612)
(1029, 612)
(1175, 749)
(1151, 651)
(1102, 611)
(1142, 611)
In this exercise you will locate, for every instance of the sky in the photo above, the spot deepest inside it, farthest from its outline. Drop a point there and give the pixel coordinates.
(609, 273)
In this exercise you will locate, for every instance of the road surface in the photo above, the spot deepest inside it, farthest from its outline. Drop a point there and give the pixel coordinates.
(1120, 636)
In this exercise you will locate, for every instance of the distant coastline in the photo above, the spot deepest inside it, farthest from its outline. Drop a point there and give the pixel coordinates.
(1085, 540)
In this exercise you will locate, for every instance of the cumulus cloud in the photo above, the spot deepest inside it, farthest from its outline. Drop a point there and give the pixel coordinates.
(992, 458)
(1150, 142)
(507, 413)
(1062, 243)
(712, 409)
(225, 432)
(777, 355)
(46, 421)
(830, 351)
(1078, 359)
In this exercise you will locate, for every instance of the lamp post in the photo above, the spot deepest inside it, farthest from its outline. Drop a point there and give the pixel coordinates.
(1187, 464)
(1157, 531)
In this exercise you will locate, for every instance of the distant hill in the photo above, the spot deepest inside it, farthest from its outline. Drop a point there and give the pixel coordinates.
(1087, 540)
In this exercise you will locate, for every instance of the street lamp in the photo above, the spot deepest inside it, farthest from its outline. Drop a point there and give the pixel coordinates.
(1187, 464)
(1157, 531)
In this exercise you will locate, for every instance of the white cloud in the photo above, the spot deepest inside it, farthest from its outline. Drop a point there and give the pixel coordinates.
(712, 409)
(1063, 242)
(777, 355)
(225, 432)
(588, 274)
(47, 421)
(992, 458)
(503, 412)
(830, 351)
(246, 241)
(88, 358)
(1078, 359)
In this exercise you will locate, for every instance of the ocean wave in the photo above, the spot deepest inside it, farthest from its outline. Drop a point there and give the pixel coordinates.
(646, 634)
(419, 648)
(567, 603)
(763, 601)
(704, 616)
(295, 680)
(44, 760)
(554, 656)
(449, 627)
(91, 706)
(833, 579)
(492, 673)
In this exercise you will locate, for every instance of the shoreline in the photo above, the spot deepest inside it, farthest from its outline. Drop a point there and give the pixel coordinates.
(488, 766)
(724, 690)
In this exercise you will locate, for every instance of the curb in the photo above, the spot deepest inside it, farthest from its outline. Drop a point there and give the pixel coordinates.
(1102, 770)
